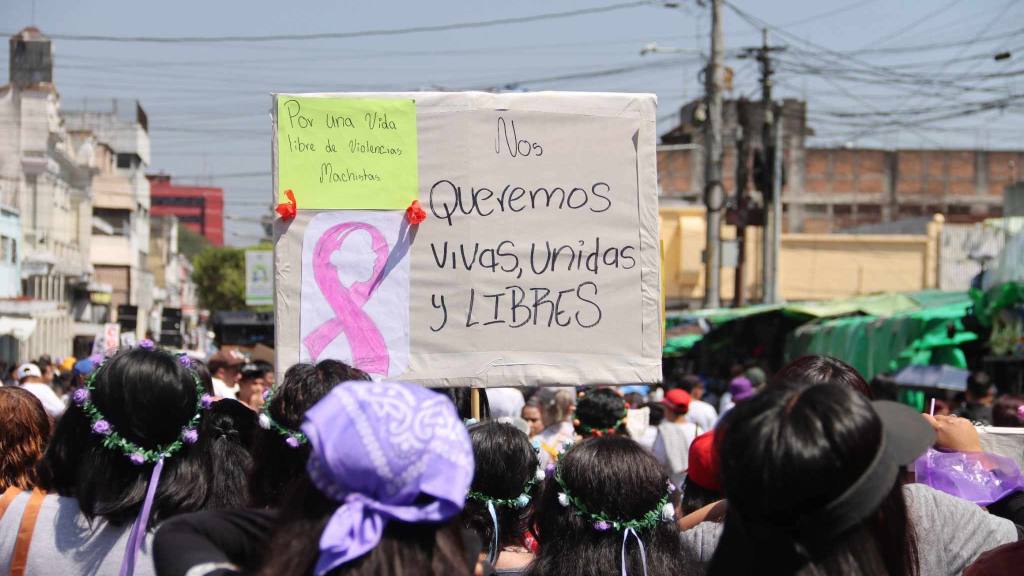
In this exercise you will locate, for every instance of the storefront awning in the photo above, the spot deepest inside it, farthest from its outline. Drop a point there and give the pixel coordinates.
(20, 328)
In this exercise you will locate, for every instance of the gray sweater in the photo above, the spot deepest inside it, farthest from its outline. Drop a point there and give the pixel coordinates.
(65, 543)
(951, 533)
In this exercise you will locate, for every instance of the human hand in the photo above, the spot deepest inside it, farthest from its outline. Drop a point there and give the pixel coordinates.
(713, 512)
(954, 433)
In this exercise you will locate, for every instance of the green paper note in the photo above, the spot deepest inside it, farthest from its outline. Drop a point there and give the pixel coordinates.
(339, 153)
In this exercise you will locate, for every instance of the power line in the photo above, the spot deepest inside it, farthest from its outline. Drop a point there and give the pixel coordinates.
(915, 23)
(830, 13)
(595, 73)
(930, 46)
(354, 34)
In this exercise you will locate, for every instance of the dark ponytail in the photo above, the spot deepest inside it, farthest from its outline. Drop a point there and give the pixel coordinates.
(277, 465)
(227, 434)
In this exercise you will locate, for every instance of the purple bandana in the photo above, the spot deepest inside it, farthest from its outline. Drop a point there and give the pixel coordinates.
(384, 451)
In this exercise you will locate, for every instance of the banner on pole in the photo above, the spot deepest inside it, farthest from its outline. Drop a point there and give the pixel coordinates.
(259, 277)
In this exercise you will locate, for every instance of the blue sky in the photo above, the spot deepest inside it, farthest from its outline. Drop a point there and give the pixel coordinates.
(875, 72)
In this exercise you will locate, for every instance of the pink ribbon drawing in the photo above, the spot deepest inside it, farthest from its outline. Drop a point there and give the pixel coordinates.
(369, 352)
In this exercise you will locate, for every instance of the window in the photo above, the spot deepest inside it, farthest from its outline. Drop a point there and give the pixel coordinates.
(124, 160)
(119, 220)
(177, 201)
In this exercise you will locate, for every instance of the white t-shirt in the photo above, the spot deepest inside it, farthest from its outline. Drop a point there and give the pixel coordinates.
(551, 439)
(725, 402)
(702, 414)
(672, 448)
(52, 403)
(221, 389)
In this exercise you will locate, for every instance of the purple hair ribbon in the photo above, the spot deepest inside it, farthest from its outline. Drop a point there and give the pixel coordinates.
(138, 533)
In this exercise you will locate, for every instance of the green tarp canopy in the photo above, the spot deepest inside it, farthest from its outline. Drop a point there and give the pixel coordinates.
(876, 333)
(929, 334)
(679, 344)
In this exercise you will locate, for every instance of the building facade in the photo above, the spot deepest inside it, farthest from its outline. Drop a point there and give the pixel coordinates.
(121, 206)
(45, 207)
(833, 189)
(198, 208)
(175, 312)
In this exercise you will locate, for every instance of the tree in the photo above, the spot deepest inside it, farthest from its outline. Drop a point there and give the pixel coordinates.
(219, 274)
(191, 243)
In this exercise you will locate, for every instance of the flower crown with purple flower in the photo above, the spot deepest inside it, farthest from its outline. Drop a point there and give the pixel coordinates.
(663, 511)
(114, 441)
(293, 438)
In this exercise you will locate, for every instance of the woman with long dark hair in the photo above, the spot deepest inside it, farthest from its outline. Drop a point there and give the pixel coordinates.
(606, 506)
(949, 532)
(280, 451)
(830, 462)
(122, 459)
(507, 472)
(389, 468)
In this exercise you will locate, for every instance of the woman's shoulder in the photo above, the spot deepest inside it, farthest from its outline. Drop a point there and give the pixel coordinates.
(64, 541)
(698, 546)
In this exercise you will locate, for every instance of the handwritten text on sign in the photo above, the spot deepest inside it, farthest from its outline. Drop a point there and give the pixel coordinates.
(532, 235)
(347, 153)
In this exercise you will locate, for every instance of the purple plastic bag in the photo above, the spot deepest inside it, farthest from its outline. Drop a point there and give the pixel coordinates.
(981, 477)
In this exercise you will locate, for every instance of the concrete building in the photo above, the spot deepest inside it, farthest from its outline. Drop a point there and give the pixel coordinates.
(811, 266)
(831, 189)
(198, 208)
(121, 205)
(175, 310)
(45, 207)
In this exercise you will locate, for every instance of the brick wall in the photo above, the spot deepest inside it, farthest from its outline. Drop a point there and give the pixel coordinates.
(831, 189)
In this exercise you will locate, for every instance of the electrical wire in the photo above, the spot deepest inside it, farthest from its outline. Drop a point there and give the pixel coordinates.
(354, 34)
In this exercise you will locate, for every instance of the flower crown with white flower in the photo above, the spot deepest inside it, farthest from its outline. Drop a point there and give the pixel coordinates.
(663, 511)
(521, 501)
(293, 438)
(112, 440)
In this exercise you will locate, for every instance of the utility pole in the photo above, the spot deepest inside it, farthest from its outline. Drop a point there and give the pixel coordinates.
(741, 202)
(773, 234)
(713, 196)
(769, 170)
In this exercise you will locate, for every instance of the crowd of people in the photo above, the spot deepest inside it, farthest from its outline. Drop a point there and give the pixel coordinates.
(151, 462)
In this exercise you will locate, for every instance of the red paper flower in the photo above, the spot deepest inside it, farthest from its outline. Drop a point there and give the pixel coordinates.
(287, 209)
(414, 214)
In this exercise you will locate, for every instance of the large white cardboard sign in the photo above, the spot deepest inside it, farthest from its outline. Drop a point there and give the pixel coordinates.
(537, 263)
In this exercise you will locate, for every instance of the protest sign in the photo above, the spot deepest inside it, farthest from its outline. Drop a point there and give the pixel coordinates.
(537, 264)
(259, 278)
(107, 339)
(347, 152)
